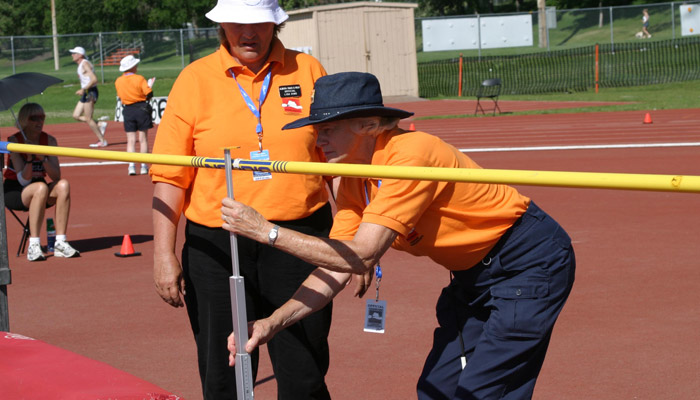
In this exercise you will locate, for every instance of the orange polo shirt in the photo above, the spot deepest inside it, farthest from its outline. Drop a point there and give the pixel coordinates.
(206, 112)
(455, 224)
(132, 88)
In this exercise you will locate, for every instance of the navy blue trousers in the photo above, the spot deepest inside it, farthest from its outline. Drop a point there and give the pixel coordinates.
(505, 307)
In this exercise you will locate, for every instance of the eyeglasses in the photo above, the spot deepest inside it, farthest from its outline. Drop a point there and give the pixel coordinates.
(37, 118)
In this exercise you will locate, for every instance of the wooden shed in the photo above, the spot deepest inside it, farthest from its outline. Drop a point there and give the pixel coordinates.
(363, 36)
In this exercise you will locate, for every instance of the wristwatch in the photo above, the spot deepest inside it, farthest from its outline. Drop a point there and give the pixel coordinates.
(272, 236)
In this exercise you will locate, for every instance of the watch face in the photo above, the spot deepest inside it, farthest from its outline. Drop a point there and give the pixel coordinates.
(272, 236)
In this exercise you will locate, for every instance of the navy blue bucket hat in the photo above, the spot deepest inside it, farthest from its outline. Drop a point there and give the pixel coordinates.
(346, 95)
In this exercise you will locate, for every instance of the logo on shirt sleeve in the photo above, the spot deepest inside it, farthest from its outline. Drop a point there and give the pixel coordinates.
(413, 237)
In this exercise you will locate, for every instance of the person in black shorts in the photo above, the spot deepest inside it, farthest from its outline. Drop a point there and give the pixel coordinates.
(88, 95)
(135, 92)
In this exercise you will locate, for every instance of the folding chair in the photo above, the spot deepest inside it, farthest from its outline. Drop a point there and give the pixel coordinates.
(489, 89)
(25, 232)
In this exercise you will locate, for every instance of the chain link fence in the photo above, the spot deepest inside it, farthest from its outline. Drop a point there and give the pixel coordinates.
(560, 59)
(567, 70)
(165, 51)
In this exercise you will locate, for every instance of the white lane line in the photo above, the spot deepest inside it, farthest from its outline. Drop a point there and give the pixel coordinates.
(581, 147)
(92, 163)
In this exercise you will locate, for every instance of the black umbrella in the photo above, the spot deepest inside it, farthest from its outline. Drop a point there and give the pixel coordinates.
(20, 86)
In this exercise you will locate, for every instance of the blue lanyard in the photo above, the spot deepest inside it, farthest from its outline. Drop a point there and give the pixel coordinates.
(255, 110)
(377, 268)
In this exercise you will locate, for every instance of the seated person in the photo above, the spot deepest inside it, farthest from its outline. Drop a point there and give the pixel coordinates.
(26, 188)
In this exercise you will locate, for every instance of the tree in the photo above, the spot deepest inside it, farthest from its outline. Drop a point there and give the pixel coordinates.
(35, 17)
(447, 7)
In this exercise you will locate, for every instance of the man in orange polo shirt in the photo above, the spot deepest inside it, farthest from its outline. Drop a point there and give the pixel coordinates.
(511, 265)
(241, 95)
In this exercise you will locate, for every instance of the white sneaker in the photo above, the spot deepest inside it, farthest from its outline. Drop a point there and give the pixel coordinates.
(132, 169)
(63, 249)
(99, 144)
(34, 252)
(144, 170)
(102, 125)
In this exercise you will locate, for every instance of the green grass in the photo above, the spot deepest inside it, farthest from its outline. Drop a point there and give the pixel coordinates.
(677, 95)
(59, 101)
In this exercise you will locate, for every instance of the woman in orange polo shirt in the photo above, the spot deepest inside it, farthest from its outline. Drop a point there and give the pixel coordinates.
(241, 96)
(134, 92)
(511, 265)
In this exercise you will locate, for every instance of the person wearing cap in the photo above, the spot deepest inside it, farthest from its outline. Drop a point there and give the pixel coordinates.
(511, 265)
(134, 92)
(240, 97)
(88, 95)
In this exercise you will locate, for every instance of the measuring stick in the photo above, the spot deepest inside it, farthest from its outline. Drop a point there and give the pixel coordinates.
(244, 373)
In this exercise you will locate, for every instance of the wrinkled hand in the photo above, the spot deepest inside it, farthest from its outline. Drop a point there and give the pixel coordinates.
(260, 332)
(364, 282)
(167, 275)
(243, 220)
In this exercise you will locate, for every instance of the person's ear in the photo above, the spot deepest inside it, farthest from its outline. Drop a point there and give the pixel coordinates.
(368, 126)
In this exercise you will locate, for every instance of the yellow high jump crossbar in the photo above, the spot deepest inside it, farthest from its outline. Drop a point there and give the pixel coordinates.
(594, 180)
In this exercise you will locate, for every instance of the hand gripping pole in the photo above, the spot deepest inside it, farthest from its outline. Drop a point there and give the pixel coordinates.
(244, 373)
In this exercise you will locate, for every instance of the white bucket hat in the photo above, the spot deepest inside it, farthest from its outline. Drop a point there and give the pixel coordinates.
(128, 63)
(78, 50)
(247, 12)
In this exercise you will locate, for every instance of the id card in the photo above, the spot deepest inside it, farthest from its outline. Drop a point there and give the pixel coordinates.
(260, 156)
(375, 316)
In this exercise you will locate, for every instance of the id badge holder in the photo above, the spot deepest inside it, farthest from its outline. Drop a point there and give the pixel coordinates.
(375, 316)
(263, 155)
(375, 309)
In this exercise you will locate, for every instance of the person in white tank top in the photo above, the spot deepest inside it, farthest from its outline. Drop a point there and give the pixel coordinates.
(645, 23)
(88, 95)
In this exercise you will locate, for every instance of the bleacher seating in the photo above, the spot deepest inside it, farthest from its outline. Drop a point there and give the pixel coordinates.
(116, 56)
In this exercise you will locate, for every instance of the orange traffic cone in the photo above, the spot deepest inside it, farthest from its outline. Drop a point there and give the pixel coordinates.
(127, 248)
(412, 127)
(647, 119)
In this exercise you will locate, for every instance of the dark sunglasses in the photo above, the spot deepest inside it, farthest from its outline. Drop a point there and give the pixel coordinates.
(37, 118)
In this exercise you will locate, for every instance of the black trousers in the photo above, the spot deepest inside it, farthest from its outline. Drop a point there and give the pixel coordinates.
(299, 354)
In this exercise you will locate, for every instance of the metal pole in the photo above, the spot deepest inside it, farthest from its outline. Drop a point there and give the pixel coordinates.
(459, 84)
(54, 32)
(102, 62)
(478, 28)
(182, 49)
(542, 22)
(547, 29)
(612, 40)
(12, 50)
(673, 20)
(244, 373)
(5, 273)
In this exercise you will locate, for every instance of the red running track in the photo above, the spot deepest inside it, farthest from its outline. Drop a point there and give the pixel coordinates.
(631, 327)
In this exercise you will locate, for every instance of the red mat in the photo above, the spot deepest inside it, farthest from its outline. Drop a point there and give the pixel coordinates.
(32, 369)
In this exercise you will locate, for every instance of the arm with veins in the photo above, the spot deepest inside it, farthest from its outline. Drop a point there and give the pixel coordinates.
(356, 256)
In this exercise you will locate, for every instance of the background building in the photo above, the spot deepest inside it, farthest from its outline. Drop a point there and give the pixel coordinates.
(373, 37)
